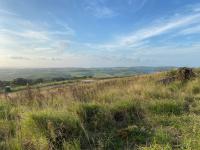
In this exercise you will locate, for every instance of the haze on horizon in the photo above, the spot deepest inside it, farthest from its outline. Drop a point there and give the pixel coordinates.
(99, 33)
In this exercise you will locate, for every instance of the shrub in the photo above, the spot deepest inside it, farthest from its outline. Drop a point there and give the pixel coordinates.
(22, 81)
(7, 89)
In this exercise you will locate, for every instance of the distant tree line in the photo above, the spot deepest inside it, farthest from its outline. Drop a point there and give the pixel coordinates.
(23, 81)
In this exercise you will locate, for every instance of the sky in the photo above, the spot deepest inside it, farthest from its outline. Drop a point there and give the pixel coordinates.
(99, 33)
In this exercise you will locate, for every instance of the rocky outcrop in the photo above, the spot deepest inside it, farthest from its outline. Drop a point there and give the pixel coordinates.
(182, 74)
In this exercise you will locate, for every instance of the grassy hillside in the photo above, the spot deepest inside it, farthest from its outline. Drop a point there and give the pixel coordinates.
(10, 74)
(124, 113)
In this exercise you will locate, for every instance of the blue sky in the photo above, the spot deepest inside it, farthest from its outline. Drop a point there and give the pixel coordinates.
(99, 33)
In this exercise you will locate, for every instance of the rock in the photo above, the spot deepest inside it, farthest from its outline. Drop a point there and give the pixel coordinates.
(167, 80)
(182, 74)
(185, 73)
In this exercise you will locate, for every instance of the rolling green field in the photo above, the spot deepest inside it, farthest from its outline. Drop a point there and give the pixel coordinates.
(121, 113)
(10, 74)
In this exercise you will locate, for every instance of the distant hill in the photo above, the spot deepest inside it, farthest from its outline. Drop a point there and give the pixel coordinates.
(48, 73)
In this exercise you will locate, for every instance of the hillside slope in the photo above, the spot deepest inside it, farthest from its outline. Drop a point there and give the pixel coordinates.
(49, 73)
(126, 113)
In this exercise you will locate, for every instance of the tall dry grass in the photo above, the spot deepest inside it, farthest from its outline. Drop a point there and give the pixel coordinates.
(122, 113)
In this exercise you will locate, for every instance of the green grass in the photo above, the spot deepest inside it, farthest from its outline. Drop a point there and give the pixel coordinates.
(167, 107)
(119, 113)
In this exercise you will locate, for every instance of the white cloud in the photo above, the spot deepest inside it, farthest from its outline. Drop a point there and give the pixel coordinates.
(67, 30)
(99, 9)
(141, 36)
(6, 12)
(136, 5)
(37, 35)
(191, 30)
(102, 9)
(20, 37)
(20, 58)
(102, 12)
(45, 47)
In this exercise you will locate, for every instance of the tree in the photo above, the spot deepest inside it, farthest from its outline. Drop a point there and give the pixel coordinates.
(21, 81)
(8, 89)
(1, 83)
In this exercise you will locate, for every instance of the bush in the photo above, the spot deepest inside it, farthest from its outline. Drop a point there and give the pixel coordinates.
(1, 84)
(39, 80)
(22, 81)
(7, 89)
